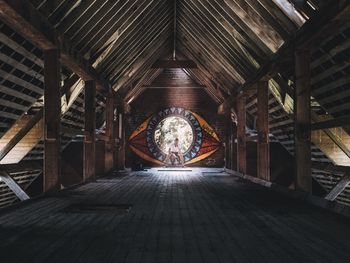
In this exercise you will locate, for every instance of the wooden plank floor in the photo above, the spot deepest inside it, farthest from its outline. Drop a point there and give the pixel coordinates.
(175, 217)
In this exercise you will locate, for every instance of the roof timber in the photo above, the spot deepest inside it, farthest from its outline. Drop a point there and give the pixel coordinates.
(158, 43)
(30, 23)
(331, 16)
(216, 40)
(201, 46)
(156, 32)
(126, 45)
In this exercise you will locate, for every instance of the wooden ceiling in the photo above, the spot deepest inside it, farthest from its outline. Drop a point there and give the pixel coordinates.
(228, 39)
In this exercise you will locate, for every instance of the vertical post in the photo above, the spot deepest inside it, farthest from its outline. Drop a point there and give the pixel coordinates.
(228, 153)
(109, 145)
(90, 124)
(121, 139)
(302, 121)
(241, 134)
(263, 131)
(52, 121)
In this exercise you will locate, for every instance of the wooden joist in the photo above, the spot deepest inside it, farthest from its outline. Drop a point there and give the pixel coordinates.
(27, 21)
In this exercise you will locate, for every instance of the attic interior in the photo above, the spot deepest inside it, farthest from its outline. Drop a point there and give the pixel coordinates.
(94, 95)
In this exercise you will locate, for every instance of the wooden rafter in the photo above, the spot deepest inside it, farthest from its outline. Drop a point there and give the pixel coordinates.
(26, 20)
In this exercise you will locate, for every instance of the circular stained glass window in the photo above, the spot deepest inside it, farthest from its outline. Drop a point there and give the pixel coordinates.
(170, 128)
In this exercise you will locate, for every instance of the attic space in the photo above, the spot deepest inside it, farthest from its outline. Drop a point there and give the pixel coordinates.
(174, 131)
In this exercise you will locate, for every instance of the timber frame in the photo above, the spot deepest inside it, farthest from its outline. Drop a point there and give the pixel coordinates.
(266, 63)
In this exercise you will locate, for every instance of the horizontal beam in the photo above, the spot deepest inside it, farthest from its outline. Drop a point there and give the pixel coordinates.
(32, 25)
(174, 64)
(333, 123)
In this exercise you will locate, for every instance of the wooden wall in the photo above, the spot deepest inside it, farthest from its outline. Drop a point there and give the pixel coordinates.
(194, 99)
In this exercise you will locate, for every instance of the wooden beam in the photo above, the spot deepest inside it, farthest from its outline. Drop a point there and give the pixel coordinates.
(241, 134)
(338, 188)
(32, 25)
(174, 64)
(121, 139)
(90, 126)
(12, 184)
(310, 34)
(110, 143)
(19, 135)
(333, 123)
(302, 120)
(52, 121)
(263, 149)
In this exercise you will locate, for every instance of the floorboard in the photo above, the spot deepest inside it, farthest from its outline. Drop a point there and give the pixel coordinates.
(176, 216)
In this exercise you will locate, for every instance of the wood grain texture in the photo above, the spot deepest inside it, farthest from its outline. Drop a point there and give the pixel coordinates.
(175, 217)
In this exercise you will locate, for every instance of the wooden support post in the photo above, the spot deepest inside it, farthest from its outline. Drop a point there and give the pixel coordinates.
(302, 121)
(52, 121)
(110, 143)
(263, 131)
(121, 139)
(241, 134)
(90, 124)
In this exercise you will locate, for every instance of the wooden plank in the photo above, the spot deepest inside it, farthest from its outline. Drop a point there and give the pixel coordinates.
(338, 188)
(333, 123)
(12, 184)
(19, 136)
(302, 120)
(263, 149)
(52, 121)
(241, 134)
(90, 126)
(30, 23)
(174, 64)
